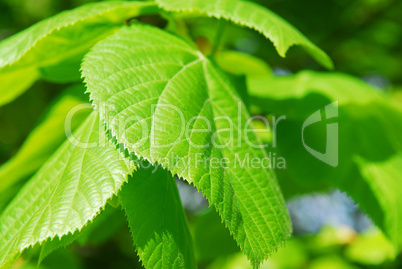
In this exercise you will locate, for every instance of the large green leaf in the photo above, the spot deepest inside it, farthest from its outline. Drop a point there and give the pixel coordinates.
(44, 139)
(148, 85)
(370, 144)
(251, 15)
(157, 220)
(66, 193)
(53, 48)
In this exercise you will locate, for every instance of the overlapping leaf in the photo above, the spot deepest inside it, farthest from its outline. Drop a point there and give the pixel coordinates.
(148, 85)
(157, 220)
(251, 15)
(53, 48)
(66, 193)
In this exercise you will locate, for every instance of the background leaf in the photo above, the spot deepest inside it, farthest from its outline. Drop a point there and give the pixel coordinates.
(369, 147)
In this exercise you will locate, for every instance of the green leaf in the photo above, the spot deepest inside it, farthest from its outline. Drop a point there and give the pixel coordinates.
(253, 16)
(44, 139)
(157, 220)
(148, 85)
(46, 48)
(369, 142)
(66, 193)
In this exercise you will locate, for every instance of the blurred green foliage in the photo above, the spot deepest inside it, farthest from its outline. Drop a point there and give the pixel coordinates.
(338, 248)
(364, 39)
